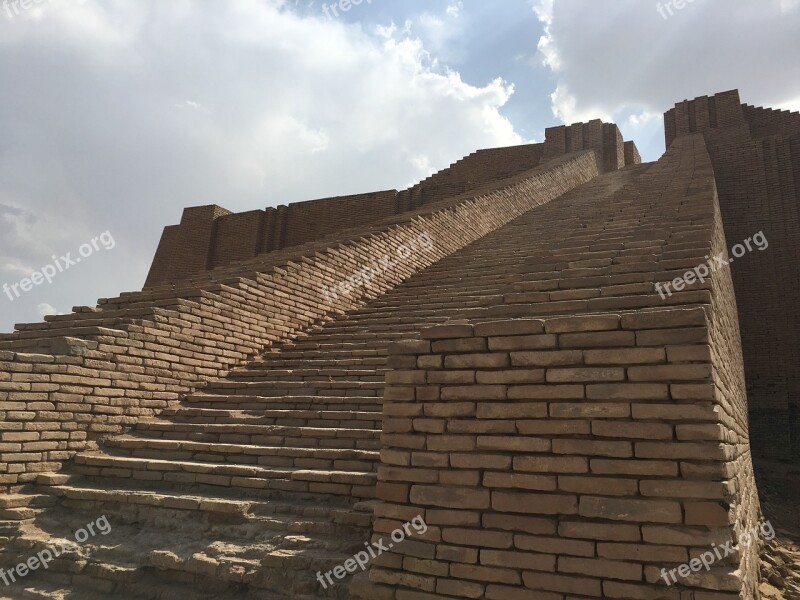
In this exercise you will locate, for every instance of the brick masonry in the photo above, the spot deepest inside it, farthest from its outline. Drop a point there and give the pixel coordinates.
(568, 434)
(211, 236)
(575, 456)
(756, 158)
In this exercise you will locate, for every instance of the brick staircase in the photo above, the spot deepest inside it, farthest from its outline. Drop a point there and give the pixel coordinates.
(259, 480)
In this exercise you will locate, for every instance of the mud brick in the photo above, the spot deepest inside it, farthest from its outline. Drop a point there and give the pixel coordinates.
(583, 324)
(595, 485)
(544, 504)
(460, 588)
(600, 568)
(501, 592)
(505, 410)
(593, 448)
(518, 560)
(615, 589)
(514, 444)
(522, 342)
(624, 509)
(464, 498)
(474, 392)
(671, 337)
(511, 377)
(583, 375)
(554, 545)
(567, 584)
(546, 392)
(509, 328)
(551, 464)
(632, 430)
(634, 467)
(493, 479)
(670, 373)
(480, 538)
(599, 531)
(519, 523)
(477, 361)
(625, 356)
(591, 410)
(547, 359)
(606, 339)
(627, 391)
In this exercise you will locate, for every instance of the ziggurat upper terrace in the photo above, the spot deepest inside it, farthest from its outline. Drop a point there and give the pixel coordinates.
(530, 365)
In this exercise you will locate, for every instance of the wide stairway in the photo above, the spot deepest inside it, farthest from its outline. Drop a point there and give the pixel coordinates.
(258, 481)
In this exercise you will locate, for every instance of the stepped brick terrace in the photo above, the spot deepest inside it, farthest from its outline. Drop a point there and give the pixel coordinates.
(547, 357)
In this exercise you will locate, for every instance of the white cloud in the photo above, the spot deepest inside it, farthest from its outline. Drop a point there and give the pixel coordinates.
(120, 118)
(608, 59)
(45, 310)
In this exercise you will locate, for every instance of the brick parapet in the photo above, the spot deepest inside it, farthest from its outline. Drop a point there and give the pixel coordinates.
(546, 461)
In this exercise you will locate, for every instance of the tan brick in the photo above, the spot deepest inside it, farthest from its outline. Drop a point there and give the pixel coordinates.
(606, 339)
(599, 531)
(547, 359)
(619, 509)
(670, 373)
(568, 584)
(584, 375)
(632, 430)
(554, 545)
(477, 361)
(518, 560)
(612, 449)
(477, 537)
(543, 504)
(504, 410)
(492, 479)
(624, 356)
(448, 497)
(600, 568)
(520, 523)
(551, 464)
(627, 391)
(508, 328)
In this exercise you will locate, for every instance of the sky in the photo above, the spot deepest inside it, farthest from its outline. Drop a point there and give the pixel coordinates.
(117, 114)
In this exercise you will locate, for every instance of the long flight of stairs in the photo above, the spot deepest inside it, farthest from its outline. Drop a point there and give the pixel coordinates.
(259, 480)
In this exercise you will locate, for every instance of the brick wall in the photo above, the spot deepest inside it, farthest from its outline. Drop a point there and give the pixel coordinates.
(756, 158)
(604, 138)
(100, 369)
(571, 456)
(230, 238)
(632, 156)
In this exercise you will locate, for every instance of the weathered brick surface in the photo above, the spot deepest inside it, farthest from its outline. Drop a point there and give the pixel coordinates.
(599, 433)
(756, 158)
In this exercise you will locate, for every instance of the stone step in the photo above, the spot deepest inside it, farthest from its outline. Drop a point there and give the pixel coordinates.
(294, 417)
(353, 483)
(251, 403)
(273, 456)
(255, 435)
(142, 505)
(301, 388)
